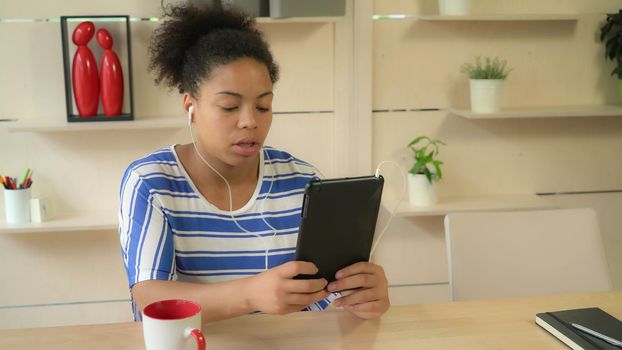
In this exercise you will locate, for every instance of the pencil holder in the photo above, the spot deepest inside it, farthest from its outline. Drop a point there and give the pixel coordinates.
(17, 206)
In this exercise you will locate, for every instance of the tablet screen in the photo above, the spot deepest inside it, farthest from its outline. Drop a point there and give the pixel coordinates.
(338, 222)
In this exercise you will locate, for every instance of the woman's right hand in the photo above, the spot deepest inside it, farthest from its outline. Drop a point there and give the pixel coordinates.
(275, 291)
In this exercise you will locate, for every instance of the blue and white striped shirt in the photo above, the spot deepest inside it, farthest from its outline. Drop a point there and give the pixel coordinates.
(169, 231)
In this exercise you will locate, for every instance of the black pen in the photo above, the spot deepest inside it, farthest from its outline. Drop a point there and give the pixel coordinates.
(597, 335)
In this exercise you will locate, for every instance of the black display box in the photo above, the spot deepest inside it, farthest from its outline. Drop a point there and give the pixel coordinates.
(119, 28)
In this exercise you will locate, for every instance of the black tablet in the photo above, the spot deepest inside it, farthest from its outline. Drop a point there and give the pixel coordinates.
(338, 223)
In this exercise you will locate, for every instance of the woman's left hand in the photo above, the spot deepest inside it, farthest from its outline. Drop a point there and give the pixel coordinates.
(364, 289)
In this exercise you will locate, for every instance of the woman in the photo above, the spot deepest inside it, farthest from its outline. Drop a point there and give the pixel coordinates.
(216, 221)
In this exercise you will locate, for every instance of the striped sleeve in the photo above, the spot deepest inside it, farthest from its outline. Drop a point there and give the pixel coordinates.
(144, 232)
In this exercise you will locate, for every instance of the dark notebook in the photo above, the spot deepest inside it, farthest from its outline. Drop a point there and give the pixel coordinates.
(559, 323)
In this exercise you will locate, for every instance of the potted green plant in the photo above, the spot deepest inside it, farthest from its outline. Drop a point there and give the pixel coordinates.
(611, 34)
(425, 172)
(486, 80)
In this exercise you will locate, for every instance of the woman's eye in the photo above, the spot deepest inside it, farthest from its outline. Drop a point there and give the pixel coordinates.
(229, 109)
(263, 110)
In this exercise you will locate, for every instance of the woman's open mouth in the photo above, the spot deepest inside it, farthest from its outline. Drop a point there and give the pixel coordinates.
(246, 147)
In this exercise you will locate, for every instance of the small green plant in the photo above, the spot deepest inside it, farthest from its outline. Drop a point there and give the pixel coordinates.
(425, 151)
(611, 34)
(490, 68)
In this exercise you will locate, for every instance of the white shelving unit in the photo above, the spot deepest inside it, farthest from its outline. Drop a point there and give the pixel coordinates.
(545, 112)
(298, 19)
(104, 220)
(63, 126)
(503, 17)
(526, 17)
(65, 223)
(318, 19)
(473, 203)
(108, 220)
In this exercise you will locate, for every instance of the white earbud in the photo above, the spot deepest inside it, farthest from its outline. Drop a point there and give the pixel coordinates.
(190, 114)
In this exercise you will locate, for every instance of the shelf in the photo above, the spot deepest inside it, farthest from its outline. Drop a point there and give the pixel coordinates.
(483, 17)
(474, 203)
(319, 19)
(545, 112)
(65, 223)
(55, 126)
(503, 18)
(108, 220)
(298, 19)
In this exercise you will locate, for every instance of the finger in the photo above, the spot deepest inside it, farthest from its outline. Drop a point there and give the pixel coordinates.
(305, 286)
(352, 282)
(358, 297)
(294, 268)
(304, 299)
(358, 268)
(344, 293)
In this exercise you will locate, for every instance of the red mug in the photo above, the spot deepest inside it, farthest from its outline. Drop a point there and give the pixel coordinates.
(173, 325)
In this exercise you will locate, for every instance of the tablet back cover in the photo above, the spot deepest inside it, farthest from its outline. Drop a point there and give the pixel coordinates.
(338, 223)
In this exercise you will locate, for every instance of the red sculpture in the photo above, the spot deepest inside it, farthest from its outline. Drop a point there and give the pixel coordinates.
(85, 78)
(111, 76)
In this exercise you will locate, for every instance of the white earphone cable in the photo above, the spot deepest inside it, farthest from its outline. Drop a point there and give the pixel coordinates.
(268, 243)
(397, 203)
(263, 239)
(262, 206)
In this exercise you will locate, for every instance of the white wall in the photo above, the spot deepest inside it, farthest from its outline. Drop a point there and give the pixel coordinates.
(416, 64)
(78, 277)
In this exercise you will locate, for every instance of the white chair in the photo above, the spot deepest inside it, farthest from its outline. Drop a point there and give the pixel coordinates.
(520, 253)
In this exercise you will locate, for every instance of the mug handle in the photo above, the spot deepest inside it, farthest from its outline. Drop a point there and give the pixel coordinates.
(198, 337)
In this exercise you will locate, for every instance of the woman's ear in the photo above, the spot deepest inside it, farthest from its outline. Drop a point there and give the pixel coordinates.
(188, 106)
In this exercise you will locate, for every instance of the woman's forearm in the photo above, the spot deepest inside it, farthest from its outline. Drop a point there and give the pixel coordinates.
(274, 291)
(218, 301)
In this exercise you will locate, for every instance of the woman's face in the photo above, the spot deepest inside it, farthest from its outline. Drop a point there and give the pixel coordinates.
(233, 112)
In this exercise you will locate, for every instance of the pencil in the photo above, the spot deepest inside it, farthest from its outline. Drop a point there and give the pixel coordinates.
(29, 179)
(26, 173)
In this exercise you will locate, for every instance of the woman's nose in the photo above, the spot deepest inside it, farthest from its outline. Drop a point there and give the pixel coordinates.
(248, 118)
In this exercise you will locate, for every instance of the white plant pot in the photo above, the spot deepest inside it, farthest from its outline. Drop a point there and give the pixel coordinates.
(421, 192)
(486, 95)
(454, 7)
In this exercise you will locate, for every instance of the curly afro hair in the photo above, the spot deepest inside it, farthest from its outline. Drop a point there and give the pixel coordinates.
(193, 40)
